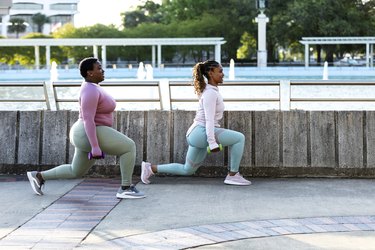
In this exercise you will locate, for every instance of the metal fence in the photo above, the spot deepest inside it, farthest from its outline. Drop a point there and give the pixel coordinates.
(168, 94)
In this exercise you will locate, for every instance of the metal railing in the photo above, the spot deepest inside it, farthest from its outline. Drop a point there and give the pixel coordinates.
(236, 94)
(179, 94)
(19, 93)
(328, 94)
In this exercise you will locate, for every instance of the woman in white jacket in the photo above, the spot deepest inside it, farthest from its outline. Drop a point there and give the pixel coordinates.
(205, 134)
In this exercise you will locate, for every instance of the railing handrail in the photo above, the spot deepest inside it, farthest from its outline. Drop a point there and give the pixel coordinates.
(332, 82)
(107, 83)
(125, 84)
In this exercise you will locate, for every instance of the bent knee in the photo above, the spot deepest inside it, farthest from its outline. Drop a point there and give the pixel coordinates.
(189, 173)
(132, 146)
(241, 137)
(78, 174)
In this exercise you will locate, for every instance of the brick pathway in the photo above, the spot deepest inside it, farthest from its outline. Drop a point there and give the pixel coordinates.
(69, 220)
(66, 223)
(188, 237)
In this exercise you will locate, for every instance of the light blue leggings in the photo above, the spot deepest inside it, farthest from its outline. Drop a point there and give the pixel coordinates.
(111, 142)
(197, 151)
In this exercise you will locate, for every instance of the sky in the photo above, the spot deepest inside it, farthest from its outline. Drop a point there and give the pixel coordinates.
(103, 11)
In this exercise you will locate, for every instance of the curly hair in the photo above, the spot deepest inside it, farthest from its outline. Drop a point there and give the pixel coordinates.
(200, 71)
(87, 64)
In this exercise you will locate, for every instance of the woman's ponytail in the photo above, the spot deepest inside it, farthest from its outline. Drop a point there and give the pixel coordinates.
(200, 71)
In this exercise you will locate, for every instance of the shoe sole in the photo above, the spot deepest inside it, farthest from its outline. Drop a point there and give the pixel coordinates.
(129, 197)
(143, 166)
(32, 183)
(237, 183)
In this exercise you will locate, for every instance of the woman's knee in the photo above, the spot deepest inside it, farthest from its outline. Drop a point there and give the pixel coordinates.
(235, 137)
(78, 173)
(241, 137)
(189, 171)
(132, 146)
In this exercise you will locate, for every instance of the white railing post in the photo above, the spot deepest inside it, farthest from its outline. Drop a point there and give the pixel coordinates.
(50, 98)
(165, 96)
(284, 95)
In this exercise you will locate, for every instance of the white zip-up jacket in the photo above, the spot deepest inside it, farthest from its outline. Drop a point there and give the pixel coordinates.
(209, 113)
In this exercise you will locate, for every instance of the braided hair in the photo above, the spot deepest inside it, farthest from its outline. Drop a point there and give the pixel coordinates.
(200, 71)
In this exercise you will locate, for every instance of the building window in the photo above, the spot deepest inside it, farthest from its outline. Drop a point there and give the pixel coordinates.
(27, 6)
(26, 18)
(63, 6)
(63, 19)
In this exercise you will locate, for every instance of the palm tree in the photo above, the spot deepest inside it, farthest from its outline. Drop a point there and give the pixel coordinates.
(17, 26)
(39, 19)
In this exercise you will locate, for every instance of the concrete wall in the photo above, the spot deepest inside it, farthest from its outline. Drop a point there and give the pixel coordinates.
(278, 144)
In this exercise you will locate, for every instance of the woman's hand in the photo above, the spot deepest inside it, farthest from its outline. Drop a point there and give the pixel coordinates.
(215, 150)
(96, 153)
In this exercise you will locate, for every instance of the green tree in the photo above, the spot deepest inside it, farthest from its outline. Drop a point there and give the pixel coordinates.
(214, 18)
(147, 13)
(95, 31)
(17, 25)
(248, 48)
(40, 20)
(320, 18)
(25, 56)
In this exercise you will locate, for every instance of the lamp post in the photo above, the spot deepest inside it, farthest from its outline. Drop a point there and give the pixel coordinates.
(262, 20)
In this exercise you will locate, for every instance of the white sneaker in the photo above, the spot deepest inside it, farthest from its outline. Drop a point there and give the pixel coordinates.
(236, 179)
(146, 172)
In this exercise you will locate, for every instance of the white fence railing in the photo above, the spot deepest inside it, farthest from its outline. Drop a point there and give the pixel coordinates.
(179, 94)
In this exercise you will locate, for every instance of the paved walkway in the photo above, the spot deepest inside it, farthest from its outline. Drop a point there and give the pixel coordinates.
(188, 212)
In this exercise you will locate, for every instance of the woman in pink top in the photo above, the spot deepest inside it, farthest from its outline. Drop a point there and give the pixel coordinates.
(205, 134)
(93, 136)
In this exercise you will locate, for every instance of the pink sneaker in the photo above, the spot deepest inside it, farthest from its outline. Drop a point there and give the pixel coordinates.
(146, 172)
(236, 179)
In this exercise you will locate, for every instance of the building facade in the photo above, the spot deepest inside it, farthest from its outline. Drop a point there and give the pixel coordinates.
(4, 7)
(59, 13)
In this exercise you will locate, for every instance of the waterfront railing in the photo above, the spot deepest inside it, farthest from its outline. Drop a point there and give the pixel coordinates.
(165, 94)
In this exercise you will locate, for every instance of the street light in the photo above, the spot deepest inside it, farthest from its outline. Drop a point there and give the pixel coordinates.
(261, 5)
(262, 20)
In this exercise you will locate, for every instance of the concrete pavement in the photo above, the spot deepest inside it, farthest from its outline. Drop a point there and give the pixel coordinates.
(189, 212)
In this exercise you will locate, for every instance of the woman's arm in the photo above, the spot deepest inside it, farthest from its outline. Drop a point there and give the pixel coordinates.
(89, 103)
(209, 107)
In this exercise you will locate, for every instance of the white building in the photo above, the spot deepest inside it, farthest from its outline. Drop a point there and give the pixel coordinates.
(4, 7)
(59, 12)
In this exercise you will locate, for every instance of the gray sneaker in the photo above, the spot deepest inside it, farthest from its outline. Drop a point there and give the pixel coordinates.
(35, 183)
(130, 193)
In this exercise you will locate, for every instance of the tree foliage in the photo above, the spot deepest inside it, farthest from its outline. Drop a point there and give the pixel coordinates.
(321, 18)
(147, 13)
(289, 21)
(201, 18)
(17, 25)
(40, 20)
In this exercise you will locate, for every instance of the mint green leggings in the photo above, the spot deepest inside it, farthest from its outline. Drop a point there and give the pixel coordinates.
(197, 151)
(111, 142)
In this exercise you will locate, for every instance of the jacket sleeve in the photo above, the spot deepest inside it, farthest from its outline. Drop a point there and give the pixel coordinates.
(89, 103)
(209, 107)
